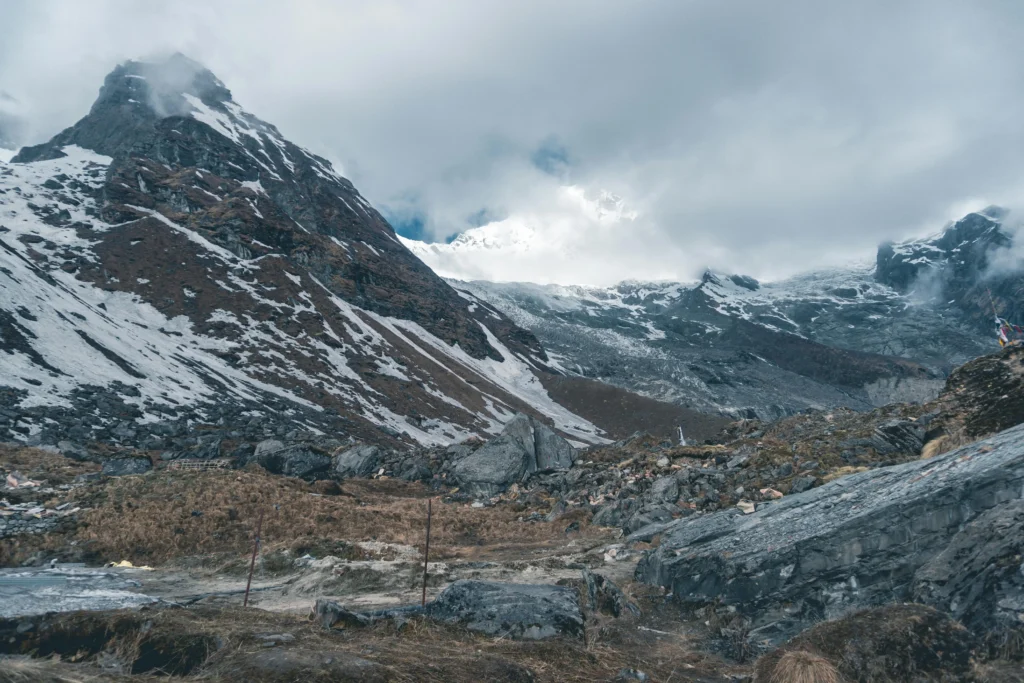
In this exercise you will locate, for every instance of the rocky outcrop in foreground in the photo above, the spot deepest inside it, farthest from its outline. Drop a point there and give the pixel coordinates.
(508, 610)
(524, 447)
(863, 540)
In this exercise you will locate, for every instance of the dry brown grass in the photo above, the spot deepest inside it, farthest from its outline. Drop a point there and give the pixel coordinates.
(51, 468)
(804, 667)
(843, 471)
(419, 651)
(956, 438)
(171, 514)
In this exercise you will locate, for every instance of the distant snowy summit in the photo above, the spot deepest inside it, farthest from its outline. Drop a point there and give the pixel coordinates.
(860, 336)
(580, 224)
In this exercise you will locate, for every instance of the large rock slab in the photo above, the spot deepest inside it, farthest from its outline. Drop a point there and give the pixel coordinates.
(120, 467)
(359, 461)
(898, 436)
(510, 610)
(978, 578)
(524, 447)
(291, 459)
(854, 542)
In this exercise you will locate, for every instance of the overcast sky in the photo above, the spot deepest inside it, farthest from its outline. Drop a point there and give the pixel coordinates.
(753, 136)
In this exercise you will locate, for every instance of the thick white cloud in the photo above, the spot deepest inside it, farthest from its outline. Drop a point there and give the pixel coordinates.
(762, 137)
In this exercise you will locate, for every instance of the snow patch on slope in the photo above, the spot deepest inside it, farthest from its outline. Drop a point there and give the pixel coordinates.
(69, 332)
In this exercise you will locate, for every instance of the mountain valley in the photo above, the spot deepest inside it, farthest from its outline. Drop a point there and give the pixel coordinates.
(249, 432)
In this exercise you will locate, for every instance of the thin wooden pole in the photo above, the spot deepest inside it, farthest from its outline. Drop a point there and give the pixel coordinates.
(426, 558)
(252, 563)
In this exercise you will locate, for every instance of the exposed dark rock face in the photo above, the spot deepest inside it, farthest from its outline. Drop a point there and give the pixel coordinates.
(524, 447)
(603, 596)
(960, 253)
(897, 436)
(294, 460)
(119, 467)
(509, 610)
(854, 542)
(965, 269)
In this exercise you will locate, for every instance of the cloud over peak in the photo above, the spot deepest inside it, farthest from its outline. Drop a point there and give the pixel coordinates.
(754, 137)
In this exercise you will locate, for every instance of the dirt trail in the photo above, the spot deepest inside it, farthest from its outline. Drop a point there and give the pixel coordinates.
(359, 584)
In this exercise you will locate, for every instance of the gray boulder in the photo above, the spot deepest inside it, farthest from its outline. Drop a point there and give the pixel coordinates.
(524, 447)
(649, 514)
(293, 460)
(416, 471)
(553, 452)
(858, 541)
(119, 467)
(664, 490)
(898, 436)
(510, 610)
(801, 484)
(359, 461)
(72, 450)
(615, 513)
(494, 467)
(331, 614)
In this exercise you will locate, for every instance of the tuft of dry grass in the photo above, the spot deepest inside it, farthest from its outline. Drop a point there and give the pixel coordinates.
(956, 438)
(800, 666)
(843, 471)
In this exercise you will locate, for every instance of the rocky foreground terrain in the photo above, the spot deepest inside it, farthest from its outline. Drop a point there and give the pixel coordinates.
(868, 546)
(218, 364)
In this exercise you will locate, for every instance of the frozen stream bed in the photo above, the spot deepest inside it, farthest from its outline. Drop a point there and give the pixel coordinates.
(362, 585)
(26, 592)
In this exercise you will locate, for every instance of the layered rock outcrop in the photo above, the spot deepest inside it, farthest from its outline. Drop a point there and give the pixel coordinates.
(862, 540)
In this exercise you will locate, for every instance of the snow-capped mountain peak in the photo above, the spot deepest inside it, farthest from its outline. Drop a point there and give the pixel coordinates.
(177, 257)
(576, 223)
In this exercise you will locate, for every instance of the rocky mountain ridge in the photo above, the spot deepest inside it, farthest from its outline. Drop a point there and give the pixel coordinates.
(859, 337)
(973, 268)
(177, 275)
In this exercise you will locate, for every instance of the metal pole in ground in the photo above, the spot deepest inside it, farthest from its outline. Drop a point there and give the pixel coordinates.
(252, 563)
(426, 558)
